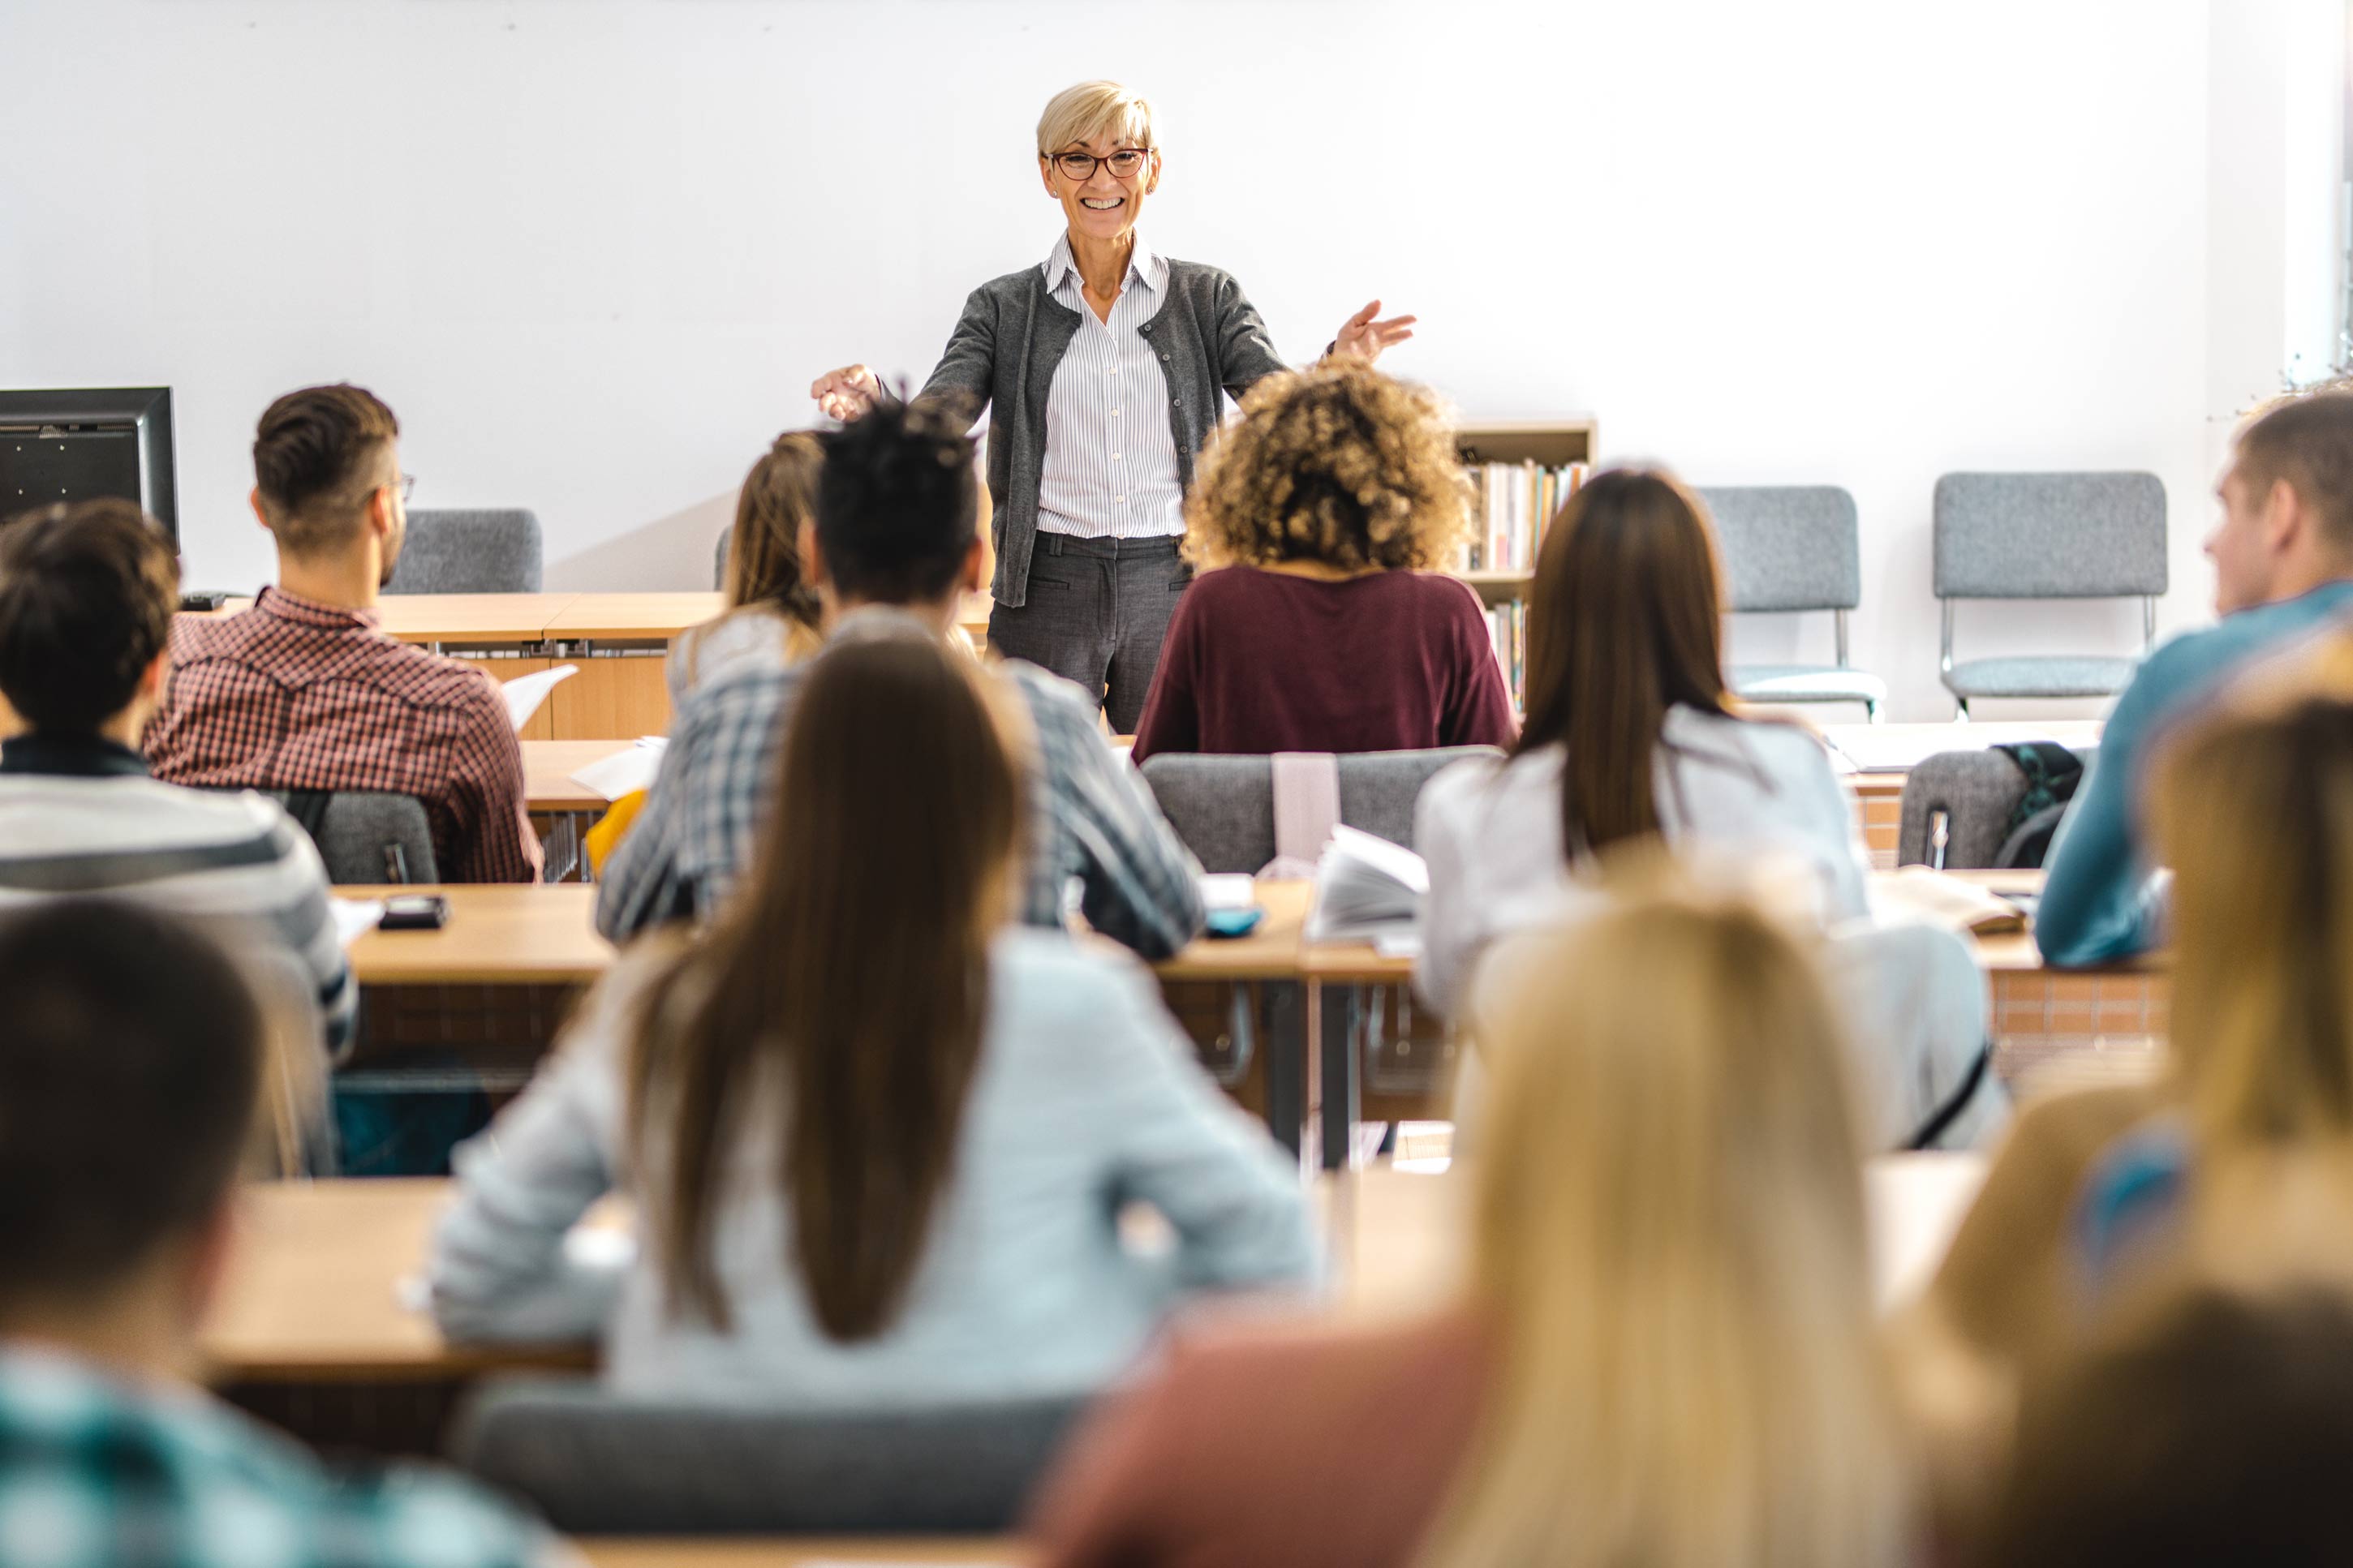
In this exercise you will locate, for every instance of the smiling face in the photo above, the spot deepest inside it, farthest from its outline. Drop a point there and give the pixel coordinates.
(1104, 206)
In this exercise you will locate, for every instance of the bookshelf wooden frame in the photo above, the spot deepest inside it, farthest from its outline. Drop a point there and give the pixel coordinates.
(1551, 443)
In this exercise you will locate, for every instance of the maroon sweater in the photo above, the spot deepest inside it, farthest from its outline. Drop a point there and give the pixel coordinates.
(1263, 662)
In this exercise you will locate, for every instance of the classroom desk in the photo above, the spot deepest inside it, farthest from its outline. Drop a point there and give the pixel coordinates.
(321, 1287)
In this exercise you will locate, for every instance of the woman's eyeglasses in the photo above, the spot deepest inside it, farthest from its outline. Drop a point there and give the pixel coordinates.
(1123, 163)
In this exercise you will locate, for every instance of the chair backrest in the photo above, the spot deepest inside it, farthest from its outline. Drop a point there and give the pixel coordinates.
(479, 550)
(719, 557)
(2050, 536)
(599, 1464)
(1975, 792)
(1223, 808)
(366, 836)
(1787, 547)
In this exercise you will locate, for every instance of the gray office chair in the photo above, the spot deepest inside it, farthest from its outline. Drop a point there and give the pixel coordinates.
(599, 1464)
(1223, 808)
(365, 836)
(2047, 536)
(1957, 810)
(1794, 549)
(477, 551)
(719, 557)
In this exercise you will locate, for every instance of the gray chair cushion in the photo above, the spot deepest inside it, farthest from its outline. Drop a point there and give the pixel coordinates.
(1976, 790)
(488, 551)
(368, 836)
(2050, 675)
(1788, 547)
(1807, 683)
(599, 1464)
(2049, 536)
(1223, 808)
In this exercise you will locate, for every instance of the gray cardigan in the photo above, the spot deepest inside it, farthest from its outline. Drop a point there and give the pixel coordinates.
(1002, 356)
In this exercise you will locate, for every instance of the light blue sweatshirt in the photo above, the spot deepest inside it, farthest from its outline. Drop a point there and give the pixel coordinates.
(2100, 902)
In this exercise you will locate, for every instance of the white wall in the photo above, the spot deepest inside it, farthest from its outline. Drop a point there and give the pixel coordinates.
(592, 252)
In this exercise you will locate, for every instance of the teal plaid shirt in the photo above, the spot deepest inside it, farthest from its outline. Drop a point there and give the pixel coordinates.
(100, 1473)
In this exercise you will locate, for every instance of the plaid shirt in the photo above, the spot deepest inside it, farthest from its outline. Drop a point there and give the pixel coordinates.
(294, 694)
(100, 1473)
(1091, 815)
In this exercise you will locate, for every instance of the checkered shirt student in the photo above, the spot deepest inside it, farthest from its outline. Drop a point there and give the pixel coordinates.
(297, 695)
(1089, 814)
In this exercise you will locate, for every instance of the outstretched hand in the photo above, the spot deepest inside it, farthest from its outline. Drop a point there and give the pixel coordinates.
(847, 392)
(1363, 338)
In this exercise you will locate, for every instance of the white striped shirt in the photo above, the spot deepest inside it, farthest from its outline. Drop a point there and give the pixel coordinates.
(1110, 469)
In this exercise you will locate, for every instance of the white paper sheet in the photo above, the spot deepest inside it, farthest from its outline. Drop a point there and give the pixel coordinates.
(524, 693)
(354, 917)
(1228, 890)
(630, 769)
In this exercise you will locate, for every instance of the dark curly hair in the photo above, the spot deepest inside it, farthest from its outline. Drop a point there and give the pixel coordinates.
(897, 506)
(1339, 464)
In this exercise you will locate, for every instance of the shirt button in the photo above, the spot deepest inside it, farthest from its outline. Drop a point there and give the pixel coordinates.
(1114, 413)
(1114, 457)
(1122, 499)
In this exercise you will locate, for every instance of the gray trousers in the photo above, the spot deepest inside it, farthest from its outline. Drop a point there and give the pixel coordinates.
(1097, 611)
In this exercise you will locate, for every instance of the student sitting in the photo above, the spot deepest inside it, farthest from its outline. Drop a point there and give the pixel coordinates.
(877, 1136)
(304, 692)
(1321, 620)
(1665, 1354)
(2204, 1426)
(772, 610)
(87, 592)
(896, 527)
(2283, 567)
(131, 1073)
(1630, 738)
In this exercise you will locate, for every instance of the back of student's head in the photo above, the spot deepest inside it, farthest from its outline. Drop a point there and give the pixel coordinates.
(2201, 1427)
(318, 455)
(128, 1067)
(764, 551)
(1340, 464)
(2253, 810)
(850, 972)
(1624, 623)
(898, 508)
(2307, 441)
(1669, 1251)
(87, 593)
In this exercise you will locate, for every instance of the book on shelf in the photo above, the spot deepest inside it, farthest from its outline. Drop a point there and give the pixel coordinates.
(1515, 504)
(1507, 634)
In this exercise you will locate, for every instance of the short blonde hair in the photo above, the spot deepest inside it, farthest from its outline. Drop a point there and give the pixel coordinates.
(1095, 109)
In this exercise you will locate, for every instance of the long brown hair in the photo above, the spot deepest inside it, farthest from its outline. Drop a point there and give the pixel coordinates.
(764, 552)
(1625, 621)
(850, 973)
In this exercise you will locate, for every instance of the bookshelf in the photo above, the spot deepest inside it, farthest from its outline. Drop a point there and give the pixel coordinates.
(1529, 466)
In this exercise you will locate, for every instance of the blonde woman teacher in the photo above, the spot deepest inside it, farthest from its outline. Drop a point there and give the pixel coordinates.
(1106, 367)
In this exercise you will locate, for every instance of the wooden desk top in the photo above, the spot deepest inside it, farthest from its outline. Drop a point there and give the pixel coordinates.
(318, 1289)
(496, 935)
(653, 617)
(798, 1552)
(500, 618)
(1269, 952)
(548, 768)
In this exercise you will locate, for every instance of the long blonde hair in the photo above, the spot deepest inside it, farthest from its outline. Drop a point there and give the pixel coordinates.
(1670, 1254)
(2253, 810)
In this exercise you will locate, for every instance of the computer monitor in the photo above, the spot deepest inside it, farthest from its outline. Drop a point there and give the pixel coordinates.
(80, 443)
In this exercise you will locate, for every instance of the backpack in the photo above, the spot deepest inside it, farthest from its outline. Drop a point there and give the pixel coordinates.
(2053, 773)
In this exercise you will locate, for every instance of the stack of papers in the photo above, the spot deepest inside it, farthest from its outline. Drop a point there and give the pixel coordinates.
(1366, 888)
(625, 772)
(524, 693)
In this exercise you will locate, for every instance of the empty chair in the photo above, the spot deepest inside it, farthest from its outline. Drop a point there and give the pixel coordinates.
(599, 1464)
(494, 550)
(1959, 810)
(365, 836)
(1794, 549)
(2047, 536)
(1223, 808)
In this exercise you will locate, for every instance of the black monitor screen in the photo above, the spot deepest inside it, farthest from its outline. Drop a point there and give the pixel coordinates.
(80, 444)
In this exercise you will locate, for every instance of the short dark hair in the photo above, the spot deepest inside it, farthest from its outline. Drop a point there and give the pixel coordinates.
(310, 457)
(87, 592)
(130, 1072)
(2205, 1427)
(897, 507)
(2307, 440)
